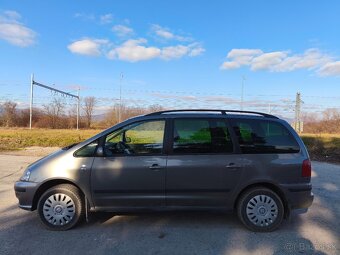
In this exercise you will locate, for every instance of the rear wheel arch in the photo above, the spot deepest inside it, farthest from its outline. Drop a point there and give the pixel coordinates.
(49, 184)
(267, 185)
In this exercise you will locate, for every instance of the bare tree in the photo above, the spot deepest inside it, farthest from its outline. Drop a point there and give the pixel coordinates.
(54, 112)
(72, 117)
(89, 104)
(9, 113)
(111, 117)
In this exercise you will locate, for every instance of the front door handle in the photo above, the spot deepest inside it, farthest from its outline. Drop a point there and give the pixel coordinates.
(233, 166)
(155, 167)
(83, 168)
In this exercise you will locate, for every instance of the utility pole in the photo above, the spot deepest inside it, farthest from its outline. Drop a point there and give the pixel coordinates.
(242, 90)
(298, 101)
(31, 100)
(33, 82)
(120, 97)
(78, 105)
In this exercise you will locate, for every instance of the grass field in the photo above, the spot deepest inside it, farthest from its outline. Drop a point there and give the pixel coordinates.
(14, 139)
(324, 147)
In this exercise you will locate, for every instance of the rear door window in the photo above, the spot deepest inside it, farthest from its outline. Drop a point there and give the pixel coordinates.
(264, 136)
(201, 136)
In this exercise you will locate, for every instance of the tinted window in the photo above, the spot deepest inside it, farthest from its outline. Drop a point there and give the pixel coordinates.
(261, 136)
(88, 150)
(201, 136)
(139, 138)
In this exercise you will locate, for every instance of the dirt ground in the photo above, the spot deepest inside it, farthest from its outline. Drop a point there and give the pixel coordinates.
(317, 232)
(34, 151)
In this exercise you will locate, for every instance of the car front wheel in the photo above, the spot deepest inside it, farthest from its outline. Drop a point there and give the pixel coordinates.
(61, 207)
(260, 209)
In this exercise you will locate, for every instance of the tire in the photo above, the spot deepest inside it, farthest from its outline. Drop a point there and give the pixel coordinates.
(260, 209)
(61, 207)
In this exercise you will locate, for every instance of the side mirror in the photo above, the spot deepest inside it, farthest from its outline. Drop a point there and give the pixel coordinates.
(100, 152)
(127, 139)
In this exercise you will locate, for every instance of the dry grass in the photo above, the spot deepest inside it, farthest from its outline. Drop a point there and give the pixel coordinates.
(323, 147)
(14, 139)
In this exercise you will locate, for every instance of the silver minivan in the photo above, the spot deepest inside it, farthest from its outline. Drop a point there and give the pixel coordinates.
(251, 163)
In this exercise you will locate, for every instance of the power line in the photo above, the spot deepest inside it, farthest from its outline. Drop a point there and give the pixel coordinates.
(33, 82)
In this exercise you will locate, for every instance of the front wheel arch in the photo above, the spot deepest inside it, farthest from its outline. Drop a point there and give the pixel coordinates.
(61, 207)
(49, 184)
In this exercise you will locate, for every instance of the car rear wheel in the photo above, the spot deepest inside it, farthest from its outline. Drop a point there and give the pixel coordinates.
(61, 207)
(260, 209)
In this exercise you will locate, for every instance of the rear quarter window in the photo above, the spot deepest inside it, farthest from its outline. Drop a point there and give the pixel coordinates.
(201, 136)
(264, 136)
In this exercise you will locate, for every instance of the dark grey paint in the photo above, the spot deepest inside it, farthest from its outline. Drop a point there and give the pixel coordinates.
(128, 181)
(182, 181)
(202, 180)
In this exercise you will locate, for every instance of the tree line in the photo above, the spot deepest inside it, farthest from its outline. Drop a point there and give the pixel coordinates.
(328, 122)
(56, 115)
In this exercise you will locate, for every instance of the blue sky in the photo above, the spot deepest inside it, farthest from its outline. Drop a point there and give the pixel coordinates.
(174, 53)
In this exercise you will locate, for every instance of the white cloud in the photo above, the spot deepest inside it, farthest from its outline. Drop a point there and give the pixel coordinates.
(14, 32)
(166, 34)
(179, 51)
(277, 61)
(122, 30)
(268, 60)
(235, 53)
(12, 15)
(133, 51)
(238, 57)
(174, 51)
(89, 47)
(196, 50)
(330, 69)
(101, 19)
(244, 56)
(84, 16)
(229, 65)
(310, 59)
(106, 18)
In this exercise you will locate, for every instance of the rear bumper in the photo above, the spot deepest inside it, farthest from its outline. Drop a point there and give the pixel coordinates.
(25, 192)
(299, 196)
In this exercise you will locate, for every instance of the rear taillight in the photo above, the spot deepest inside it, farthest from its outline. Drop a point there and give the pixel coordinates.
(306, 168)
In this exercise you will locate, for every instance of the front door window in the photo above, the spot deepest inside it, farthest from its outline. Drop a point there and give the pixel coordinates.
(141, 138)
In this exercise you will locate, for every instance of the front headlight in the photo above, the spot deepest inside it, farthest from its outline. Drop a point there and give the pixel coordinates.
(26, 176)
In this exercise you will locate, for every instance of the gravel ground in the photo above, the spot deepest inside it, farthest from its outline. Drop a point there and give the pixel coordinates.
(317, 232)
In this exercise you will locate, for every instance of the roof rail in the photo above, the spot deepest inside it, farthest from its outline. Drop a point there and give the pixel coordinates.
(223, 112)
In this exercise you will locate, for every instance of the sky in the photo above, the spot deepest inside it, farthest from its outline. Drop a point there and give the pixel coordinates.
(174, 53)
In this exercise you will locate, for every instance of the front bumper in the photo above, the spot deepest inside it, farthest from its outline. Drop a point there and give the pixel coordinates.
(25, 192)
(299, 196)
